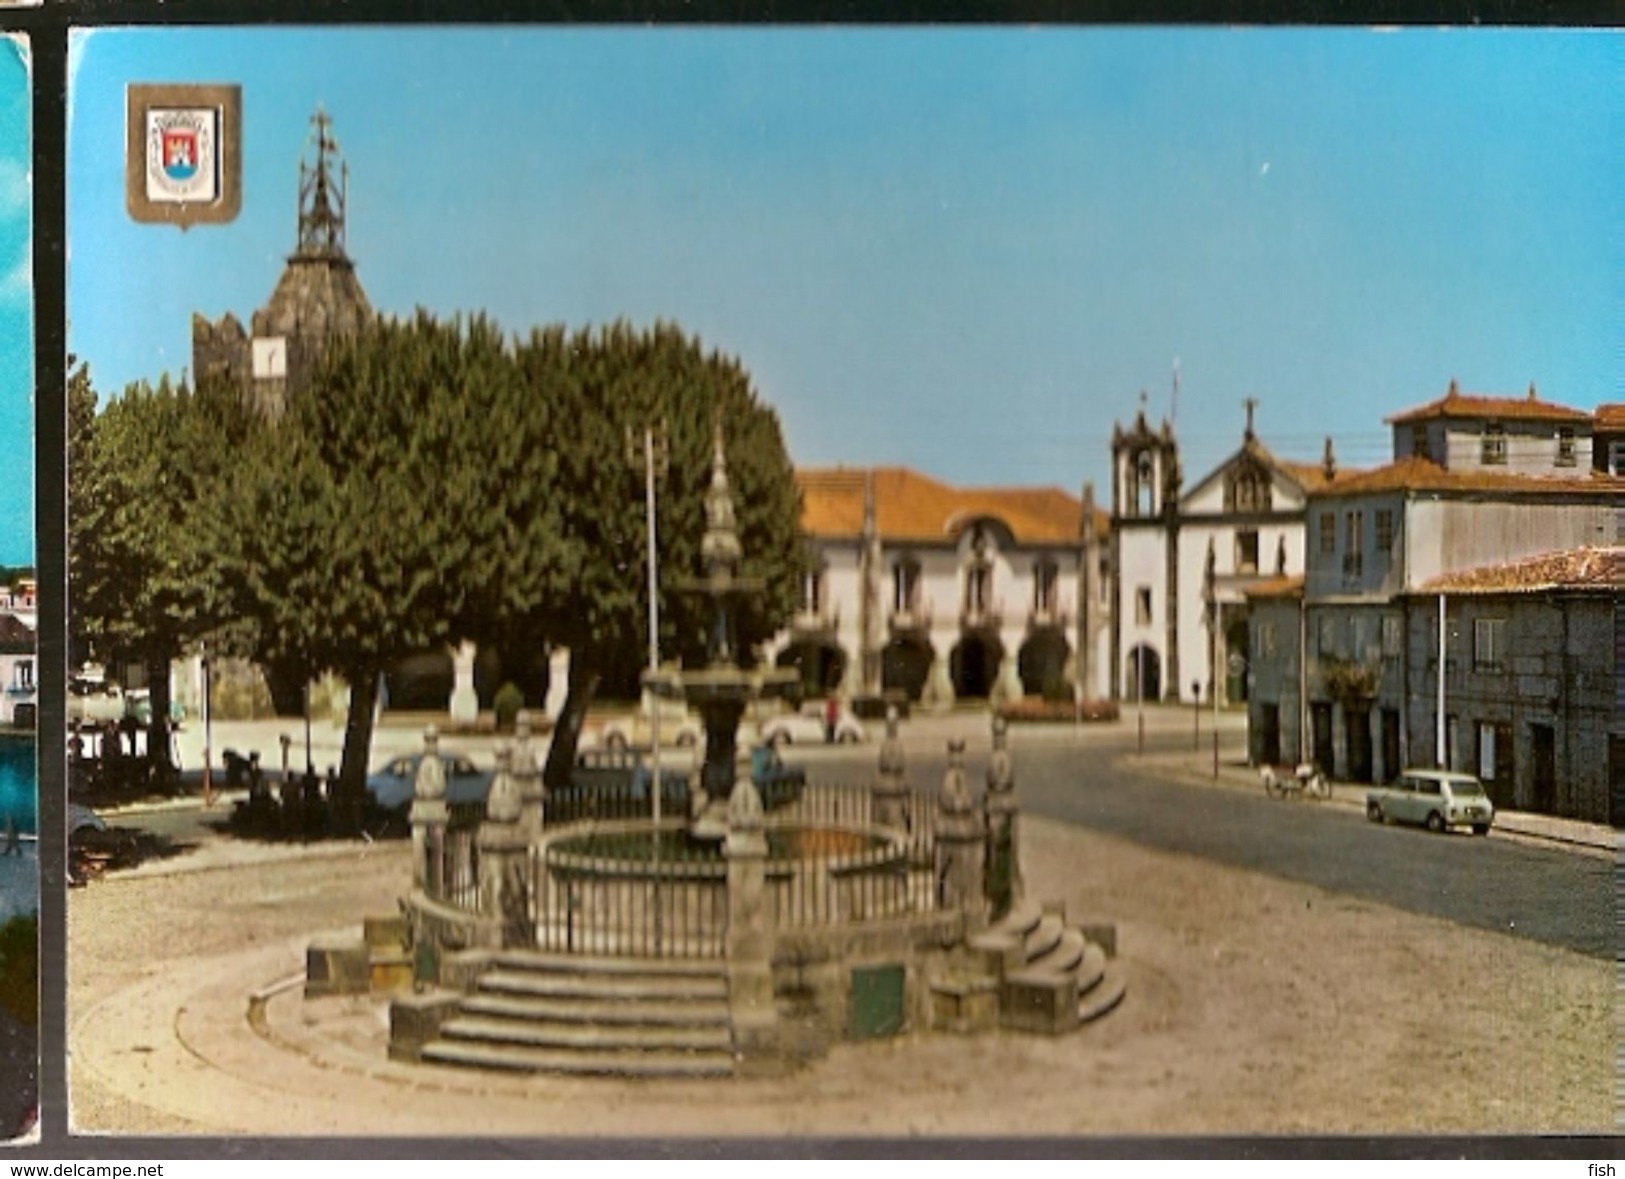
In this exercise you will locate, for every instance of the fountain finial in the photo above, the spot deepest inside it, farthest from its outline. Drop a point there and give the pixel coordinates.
(720, 546)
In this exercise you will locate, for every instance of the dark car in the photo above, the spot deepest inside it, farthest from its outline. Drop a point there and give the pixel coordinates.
(391, 787)
(778, 784)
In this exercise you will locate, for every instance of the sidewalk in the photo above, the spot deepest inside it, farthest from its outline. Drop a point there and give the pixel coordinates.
(1197, 769)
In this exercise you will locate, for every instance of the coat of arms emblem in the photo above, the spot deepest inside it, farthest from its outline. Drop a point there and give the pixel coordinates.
(181, 156)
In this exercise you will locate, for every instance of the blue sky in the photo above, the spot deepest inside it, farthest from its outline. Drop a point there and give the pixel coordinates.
(964, 250)
(16, 311)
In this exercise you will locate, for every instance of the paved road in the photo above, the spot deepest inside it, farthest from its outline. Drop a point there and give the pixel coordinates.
(1549, 894)
(1508, 885)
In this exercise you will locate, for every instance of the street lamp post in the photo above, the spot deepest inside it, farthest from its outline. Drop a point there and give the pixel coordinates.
(655, 462)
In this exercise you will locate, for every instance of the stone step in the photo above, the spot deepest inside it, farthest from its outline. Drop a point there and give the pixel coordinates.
(1064, 956)
(613, 1011)
(1009, 933)
(631, 988)
(1091, 969)
(587, 1037)
(1103, 997)
(1043, 938)
(604, 964)
(523, 1058)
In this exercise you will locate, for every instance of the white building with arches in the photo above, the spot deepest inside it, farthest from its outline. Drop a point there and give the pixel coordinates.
(945, 593)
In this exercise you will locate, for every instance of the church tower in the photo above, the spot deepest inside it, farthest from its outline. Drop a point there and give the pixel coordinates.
(1146, 481)
(318, 298)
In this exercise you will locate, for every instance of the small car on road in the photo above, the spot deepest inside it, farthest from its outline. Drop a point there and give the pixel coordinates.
(391, 787)
(1438, 799)
(808, 726)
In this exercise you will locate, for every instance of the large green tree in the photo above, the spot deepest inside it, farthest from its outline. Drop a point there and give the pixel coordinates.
(401, 503)
(610, 384)
(145, 478)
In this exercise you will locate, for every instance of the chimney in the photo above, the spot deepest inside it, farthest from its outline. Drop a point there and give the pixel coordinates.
(1532, 396)
(1328, 461)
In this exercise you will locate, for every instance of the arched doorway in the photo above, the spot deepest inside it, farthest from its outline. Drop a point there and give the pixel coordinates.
(1143, 665)
(974, 664)
(528, 667)
(822, 666)
(1042, 663)
(420, 683)
(905, 666)
(1238, 652)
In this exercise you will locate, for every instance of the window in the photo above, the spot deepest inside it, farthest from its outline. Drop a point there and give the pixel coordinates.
(1247, 491)
(1419, 442)
(1142, 486)
(1353, 544)
(1328, 533)
(978, 586)
(1385, 531)
(1328, 634)
(812, 591)
(1494, 752)
(1489, 644)
(23, 676)
(1565, 446)
(906, 586)
(1142, 605)
(1045, 576)
(1247, 550)
(1392, 635)
(1495, 445)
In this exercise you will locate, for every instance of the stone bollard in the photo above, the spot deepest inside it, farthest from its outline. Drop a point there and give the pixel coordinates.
(960, 843)
(429, 818)
(528, 773)
(889, 798)
(504, 863)
(1003, 885)
(750, 932)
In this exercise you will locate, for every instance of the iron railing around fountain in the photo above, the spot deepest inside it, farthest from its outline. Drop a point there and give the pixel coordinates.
(452, 875)
(608, 893)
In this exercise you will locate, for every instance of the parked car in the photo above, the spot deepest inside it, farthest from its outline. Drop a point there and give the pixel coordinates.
(1439, 799)
(806, 726)
(678, 727)
(391, 787)
(91, 698)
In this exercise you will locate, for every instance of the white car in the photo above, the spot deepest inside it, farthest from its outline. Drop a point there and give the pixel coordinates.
(678, 728)
(807, 726)
(1439, 799)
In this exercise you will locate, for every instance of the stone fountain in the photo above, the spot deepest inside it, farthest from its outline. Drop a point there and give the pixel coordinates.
(721, 689)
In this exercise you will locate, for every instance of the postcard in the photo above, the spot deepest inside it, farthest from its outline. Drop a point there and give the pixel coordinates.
(923, 583)
(19, 789)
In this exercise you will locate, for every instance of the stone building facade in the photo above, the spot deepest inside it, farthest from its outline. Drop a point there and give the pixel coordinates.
(1341, 674)
(1531, 678)
(944, 593)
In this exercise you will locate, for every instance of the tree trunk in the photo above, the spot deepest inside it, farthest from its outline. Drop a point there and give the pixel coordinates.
(158, 745)
(561, 754)
(352, 784)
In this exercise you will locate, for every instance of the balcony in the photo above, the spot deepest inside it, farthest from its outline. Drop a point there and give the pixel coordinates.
(914, 621)
(1050, 616)
(982, 617)
(822, 621)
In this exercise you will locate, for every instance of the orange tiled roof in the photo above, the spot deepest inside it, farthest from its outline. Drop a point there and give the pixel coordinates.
(912, 506)
(1582, 568)
(1276, 587)
(1418, 474)
(1456, 404)
(1611, 416)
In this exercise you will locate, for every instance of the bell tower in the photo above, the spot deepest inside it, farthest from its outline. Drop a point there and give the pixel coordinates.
(317, 300)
